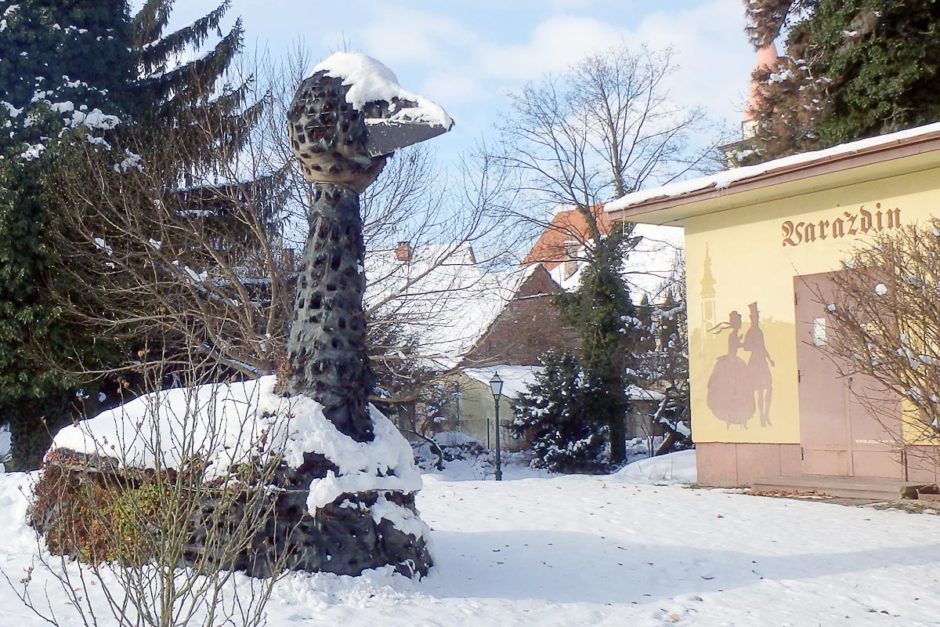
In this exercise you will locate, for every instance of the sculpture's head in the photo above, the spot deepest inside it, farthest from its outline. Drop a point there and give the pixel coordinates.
(351, 114)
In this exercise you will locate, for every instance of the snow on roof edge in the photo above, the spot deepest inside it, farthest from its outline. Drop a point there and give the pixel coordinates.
(726, 178)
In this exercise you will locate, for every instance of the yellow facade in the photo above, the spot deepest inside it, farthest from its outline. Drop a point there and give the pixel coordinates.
(478, 415)
(742, 255)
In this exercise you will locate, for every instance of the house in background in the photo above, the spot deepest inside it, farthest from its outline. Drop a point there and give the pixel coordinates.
(526, 327)
(473, 410)
(529, 324)
(768, 407)
(564, 247)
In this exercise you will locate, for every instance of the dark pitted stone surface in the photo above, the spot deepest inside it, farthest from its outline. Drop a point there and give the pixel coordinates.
(327, 360)
(342, 538)
(326, 348)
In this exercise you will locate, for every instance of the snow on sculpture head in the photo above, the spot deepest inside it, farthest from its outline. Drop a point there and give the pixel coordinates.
(351, 114)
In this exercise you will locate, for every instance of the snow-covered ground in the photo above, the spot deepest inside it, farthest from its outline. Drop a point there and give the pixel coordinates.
(4, 445)
(603, 550)
(675, 468)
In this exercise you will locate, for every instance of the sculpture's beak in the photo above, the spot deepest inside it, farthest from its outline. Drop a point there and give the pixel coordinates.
(388, 135)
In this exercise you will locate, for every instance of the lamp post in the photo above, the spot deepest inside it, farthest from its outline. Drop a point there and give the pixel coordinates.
(496, 385)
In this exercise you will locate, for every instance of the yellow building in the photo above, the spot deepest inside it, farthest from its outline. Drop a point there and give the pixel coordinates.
(759, 241)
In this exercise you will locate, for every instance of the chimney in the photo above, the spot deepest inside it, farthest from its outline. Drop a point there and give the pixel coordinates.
(403, 252)
(570, 264)
(767, 59)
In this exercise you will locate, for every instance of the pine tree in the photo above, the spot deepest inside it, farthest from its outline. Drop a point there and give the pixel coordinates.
(642, 328)
(63, 63)
(79, 71)
(853, 69)
(672, 356)
(598, 309)
(554, 414)
(190, 99)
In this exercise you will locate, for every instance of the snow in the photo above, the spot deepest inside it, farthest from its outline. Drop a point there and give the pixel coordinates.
(94, 119)
(131, 160)
(725, 179)
(5, 445)
(442, 297)
(101, 244)
(32, 151)
(650, 266)
(371, 81)
(516, 379)
(599, 550)
(11, 110)
(676, 468)
(228, 423)
(636, 393)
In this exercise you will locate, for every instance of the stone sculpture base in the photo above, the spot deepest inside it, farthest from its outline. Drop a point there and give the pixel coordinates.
(343, 537)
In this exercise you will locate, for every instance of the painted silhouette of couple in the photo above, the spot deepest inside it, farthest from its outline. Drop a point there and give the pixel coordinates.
(736, 388)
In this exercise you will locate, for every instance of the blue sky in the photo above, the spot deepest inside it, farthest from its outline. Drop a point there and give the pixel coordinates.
(469, 55)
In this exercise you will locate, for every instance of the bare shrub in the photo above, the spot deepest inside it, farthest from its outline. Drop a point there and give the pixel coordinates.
(884, 312)
(152, 520)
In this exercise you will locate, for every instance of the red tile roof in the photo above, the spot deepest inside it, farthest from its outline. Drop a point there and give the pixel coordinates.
(568, 225)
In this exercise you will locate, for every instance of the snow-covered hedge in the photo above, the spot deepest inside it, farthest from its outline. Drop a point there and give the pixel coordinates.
(229, 424)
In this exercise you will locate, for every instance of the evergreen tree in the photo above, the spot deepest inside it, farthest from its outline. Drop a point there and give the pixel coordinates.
(73, 72)
(555, 415)
(598, 309)
(853, 69)
(63, 64)
(672, 359)
(643, 330)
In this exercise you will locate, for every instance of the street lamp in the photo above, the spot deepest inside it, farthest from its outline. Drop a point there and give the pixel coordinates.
(496, 385)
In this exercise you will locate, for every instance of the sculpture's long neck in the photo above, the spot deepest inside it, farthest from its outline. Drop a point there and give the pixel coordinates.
(327, 343)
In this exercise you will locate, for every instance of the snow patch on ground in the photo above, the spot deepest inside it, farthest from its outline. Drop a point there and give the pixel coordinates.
(596, 550)
(676, 468)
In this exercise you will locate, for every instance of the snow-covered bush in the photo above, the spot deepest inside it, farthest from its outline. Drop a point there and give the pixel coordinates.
(554, 415)
(173, 492)
(445, 447)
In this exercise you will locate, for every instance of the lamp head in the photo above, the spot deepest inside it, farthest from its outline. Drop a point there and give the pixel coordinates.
(496, 385)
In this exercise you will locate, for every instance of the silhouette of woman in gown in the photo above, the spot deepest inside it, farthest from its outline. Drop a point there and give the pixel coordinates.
(758, 366)
(730, 391)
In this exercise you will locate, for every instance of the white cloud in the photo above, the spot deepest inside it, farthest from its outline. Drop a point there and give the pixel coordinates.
(399, 35)
(473, 64)
(554, 44)
(712, 52)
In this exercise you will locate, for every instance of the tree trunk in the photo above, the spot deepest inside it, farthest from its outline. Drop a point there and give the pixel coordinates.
(327, 344)
(618, 439)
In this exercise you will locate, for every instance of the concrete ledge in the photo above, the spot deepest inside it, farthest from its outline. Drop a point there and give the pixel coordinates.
(846, 487)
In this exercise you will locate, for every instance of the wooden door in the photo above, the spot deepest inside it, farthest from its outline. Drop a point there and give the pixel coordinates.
(848, 426)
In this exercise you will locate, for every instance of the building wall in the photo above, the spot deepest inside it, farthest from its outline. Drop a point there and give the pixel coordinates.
(751, 255)
(477, 409)
(527, 326)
